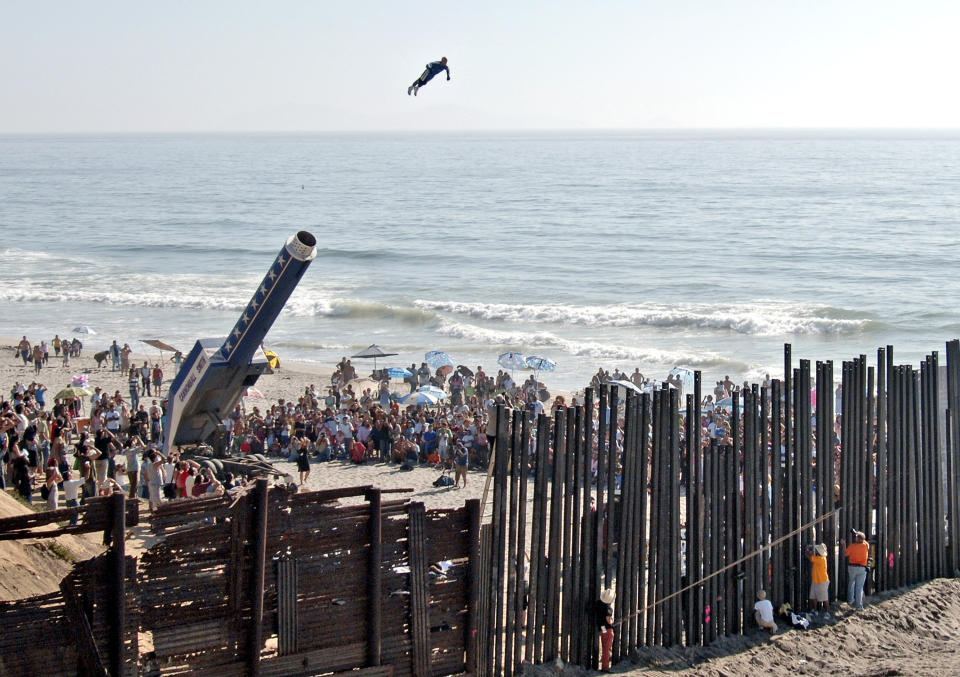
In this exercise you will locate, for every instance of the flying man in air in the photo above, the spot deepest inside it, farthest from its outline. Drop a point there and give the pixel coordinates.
(433, 68)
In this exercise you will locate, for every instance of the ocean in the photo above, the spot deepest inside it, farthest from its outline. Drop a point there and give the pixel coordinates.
(707, 250)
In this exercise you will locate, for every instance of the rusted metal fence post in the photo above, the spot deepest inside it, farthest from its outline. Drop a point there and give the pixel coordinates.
(375, 579)
(117, 618)
(259, 572)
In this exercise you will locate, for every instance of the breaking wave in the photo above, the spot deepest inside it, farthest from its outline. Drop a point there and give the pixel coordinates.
(588, 349)
(758, 318)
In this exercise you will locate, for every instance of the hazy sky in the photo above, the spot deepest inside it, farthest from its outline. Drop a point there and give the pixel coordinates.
(91, 65)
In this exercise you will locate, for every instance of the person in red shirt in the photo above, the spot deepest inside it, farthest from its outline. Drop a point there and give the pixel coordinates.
(358, 452)
(858, 562)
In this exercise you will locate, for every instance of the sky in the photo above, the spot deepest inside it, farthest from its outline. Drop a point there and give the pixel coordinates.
(171, 66)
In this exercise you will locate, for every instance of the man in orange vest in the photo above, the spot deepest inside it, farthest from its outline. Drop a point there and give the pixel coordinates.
(858, 554)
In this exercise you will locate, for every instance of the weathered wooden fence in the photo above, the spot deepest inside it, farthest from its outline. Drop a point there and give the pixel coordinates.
(626, 495)
(84, 628)
(265, 583)
(276, 583)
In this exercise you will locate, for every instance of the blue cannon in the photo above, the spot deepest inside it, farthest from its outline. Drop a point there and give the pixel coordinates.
(217, 372)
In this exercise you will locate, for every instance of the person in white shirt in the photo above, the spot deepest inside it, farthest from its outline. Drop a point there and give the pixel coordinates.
(111, 419)
(71, 492)
(763, 612)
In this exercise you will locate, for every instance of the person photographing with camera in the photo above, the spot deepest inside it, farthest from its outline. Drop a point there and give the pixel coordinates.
(858, 565)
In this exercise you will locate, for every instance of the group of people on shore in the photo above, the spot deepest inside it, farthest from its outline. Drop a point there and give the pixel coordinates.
(56, 450)
(38, 354)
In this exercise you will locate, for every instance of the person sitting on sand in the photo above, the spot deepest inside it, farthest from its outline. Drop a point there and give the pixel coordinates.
(763, 612)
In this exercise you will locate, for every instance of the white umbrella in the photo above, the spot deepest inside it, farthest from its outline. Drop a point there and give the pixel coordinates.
(83, 329)
(626, 384)
(421, 397)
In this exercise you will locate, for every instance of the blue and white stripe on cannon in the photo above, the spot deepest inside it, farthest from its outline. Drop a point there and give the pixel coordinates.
(216, 372)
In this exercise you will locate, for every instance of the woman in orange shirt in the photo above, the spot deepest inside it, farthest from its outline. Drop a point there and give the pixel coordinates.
(820, 580)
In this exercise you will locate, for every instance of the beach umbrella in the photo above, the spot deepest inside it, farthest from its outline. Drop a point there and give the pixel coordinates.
(433, 390)
(512, 360)
(420, 397)
(272, 359)
(253, 392)
(686, 378)
(727, 403)
(72, 393)
(464, 370)
(438, 359)
(83, 329)
(651, 385)
(538, 363)
(629, 385)
(159, 345)
(399, 372)
(372, 352)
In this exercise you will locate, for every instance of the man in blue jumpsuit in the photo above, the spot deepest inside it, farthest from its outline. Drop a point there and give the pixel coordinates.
(433, 68)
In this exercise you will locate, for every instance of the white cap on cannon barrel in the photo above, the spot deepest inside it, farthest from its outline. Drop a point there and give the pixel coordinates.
(302, 246)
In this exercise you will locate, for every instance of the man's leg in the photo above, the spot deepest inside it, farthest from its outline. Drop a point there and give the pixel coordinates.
(861, 577)
(606, 645)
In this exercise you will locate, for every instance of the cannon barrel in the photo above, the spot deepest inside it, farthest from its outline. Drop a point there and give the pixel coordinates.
(216, 372)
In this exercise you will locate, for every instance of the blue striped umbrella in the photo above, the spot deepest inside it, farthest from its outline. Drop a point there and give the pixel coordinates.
(512, 360)
(399, 372)
(437, 359)
(538, 363)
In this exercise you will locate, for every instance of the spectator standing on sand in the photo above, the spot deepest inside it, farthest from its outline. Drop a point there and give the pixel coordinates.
(134, 382)
(56, 345)
(157, 379)
(460, 461)
(820, 580)
(114, 356)
(763, 612)
(132, 452)
(125, 357)
(145, 379)
(858, 554)
(604, 620)
(37, 359)
(303, 463)
(177, 360)
(50, 483)
(156, 422)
